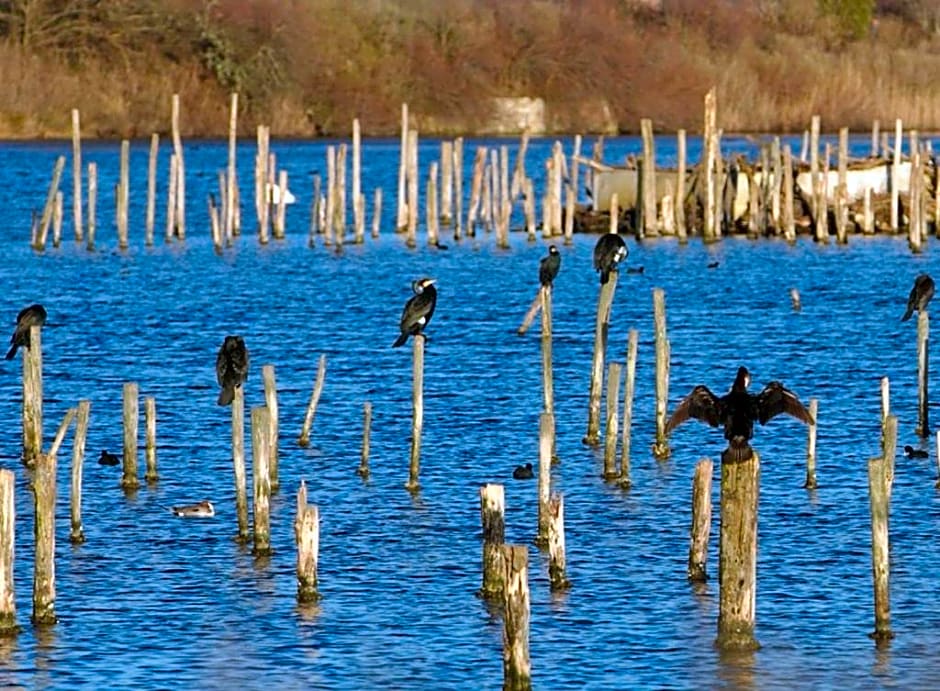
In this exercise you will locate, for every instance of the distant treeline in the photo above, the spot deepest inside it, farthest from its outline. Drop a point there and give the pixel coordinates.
(307, 67)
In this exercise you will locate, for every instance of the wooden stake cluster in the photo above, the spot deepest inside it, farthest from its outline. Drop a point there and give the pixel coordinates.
(493, 519)
(307, 536)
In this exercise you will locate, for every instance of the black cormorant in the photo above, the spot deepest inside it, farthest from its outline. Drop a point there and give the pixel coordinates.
(523, 472)
(108, 458)
(920, 296)
(418, 310)
(231, 367)
(549, 266)
(34, 315)
(911, 452)
(737, 410)
(609, 251)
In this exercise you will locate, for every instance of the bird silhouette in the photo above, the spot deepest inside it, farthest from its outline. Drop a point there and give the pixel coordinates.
(231, 367)
(920, 295)
(108, 458)
(911, 452)
(523, 472)
(609, 251)
(737, 411)
(549, 266)
(34, 315)
(418, 310)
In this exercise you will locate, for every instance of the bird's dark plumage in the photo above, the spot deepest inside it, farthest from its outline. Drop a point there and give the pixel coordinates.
(108, 458)
(609, 251)
(737, 410)
(231, 367)
(523, 472)
(920, 295)
(911, 452)
(418, 310)
(549, 266)
(34, 315)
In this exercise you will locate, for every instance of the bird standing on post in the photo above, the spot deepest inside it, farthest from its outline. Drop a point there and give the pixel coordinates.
(34, 315)
(609, 251)
(920, 295)
(549, 266)
(737, 410)
(231, 367)
(418, 310)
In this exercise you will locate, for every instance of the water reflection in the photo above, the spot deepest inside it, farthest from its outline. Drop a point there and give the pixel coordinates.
(736, 668)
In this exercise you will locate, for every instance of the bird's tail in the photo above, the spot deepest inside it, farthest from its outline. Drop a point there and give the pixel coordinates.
(908, 313)
(400, 341)
(605, 276)
(226, 395)
(738, 451)
(11, 353)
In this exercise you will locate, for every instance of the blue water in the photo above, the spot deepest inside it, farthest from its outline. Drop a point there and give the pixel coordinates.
(151, 601)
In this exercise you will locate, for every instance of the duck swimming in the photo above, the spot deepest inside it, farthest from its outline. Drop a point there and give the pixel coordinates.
(108, 458)
(911, 452)
(523, 472)
(920, 295)
(737, 410)
(203, 509)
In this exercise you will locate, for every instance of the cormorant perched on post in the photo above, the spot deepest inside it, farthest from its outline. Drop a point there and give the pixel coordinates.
(34, 315)
(231, 367)
(418, 310)
(920, 296)
(609, 251)
(737, 410)
(549, 266)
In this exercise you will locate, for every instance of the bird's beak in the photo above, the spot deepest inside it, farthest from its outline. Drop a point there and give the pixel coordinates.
(432, 281)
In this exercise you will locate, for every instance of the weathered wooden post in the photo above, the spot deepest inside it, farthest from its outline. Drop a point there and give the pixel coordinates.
(307, 536)
(610, 424)
(401, 219)
(493, 518)
(789, 225)
(123, 199)
(359, 218)
(811, 446)
(57, 213)
(447, 182)
(890, 446)
(875, 126)
(709, 157)
(661, 445)
(180, 212)
(377, 212)
(151, 189)
(238, 461)
(92, 204)
(649, 178)
(231, 181)
(270, 402)
(260, 454)
(32, 396)
(363, 470)
(701, 520)
(304, 439)
(737, 554)
(629, 388)
(557, 561)
(40, 243)
(681, 229)
(77, 534)
(44, 484)
(131, 418)
(458, 187)
(412, 240)
(814, 174)
(171, 192)
(923, 340)
(77, 174)
(150, 440)
(896, 177)
(605, 300)
(417, 419)
(548, 390)
(8, 625)
(517, 671)
(546, 436)
(879, 494)
(430, 198)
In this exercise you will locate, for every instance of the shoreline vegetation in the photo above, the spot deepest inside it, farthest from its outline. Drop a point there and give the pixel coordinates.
(599, 66)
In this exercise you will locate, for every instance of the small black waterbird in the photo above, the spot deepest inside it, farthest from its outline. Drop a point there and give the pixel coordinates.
(523, 472)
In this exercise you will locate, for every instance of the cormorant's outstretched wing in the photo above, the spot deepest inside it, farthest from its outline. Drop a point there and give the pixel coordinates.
(776, 399)
(701, 404)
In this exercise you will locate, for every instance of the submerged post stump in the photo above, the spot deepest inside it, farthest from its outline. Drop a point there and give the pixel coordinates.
(150, 443)
(77, 534)
(270, 402)
(304, 439)
(629, 388)
(260, 455)
(131, 418)
(238, 462)
(517, 671)
(307, 535)
(923, 339)
(661, 445)
(557, 562)
(701, 520)
(879, 493)
(417, 419)
(602, 324)
(493, 518)
(737, 554)
(32, 396)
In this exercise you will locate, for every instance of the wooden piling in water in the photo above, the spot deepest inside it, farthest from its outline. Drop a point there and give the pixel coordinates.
(77, 175)
(8, 625)
(710, 158)
(180, 212)
(896, 177)
(401, 219)
(260, 455)
(363, 470)
(131, 420)
(76, 533)
(417, 418)
(546, 438)
(40, 243)
(517, 671)
(307, 537)
(557, 561)
(701, 521)
(151, 189)
(476, 190)
(231, 180)
(430, 199)
(92, 204)
(789, 225)
(811, 446)
(447, 182)
(171, 199)
(377, 212)
(548, 387)
(150, 440)
(605, 300)
(359, 219)
(679, 206)
(412, 240)
(458, 187)
(57, 211)
(280, 216)
(340, 206)
(624, 482)
(493, 519)
(661, 445)
(304, 439)
(879, 494)
(923, 340)
(123, 199)
(737, 554)
(610, 424)
(649, 178)
(238, 462)
(32, 396)
(270, 402)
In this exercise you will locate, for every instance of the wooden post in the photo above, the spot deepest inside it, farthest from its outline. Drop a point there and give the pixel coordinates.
(789, 226)
(50, 204)
(915, 229)
(8, 625)
(330, 195)
(821, 195)
(402, 218)
(260, 454)
(875, 125)
(518, 172)
(605, 300)
(868, 217)
(649, 178)
(171, 199)
(709, 155)
(150, 443)
(889, 446)
(281, 215)
(493, 518)
(896, 176)
(476, 189)
(841, 200)
(92, 203)
(123, 193)
(811, 447)
(447, 182)
(777, 175)
(546, 436)
(814, 170)
(262, 195)
(737, 554)
(340, 207)
(879, 494)
(430, 198)
(458, 187)
(359, 220)
(44, 484)
(180, 215)
(679, 204)
(570, 198)
(131, 417)
(412, 188)
(307, 536)
(923, 340)
(151, 189)
(77, 174)
(517, 671)
(417, 419)
(548, 395)
(231, 181)
(363, 470)
(57, 212)
(238, 461)
(77, 534)
(661, 445)
(270, 402)
(701, 520)
(557, 562)
(629, 388)
(304, 439)
(377, 212)
(610, 425)
(32, 396)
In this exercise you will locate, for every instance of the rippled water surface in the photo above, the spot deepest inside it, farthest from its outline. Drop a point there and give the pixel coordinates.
(151, 601)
